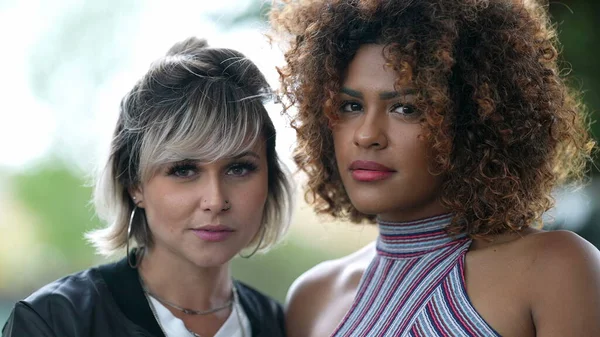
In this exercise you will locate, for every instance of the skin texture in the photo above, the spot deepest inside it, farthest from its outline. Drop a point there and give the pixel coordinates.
(181, 267)
(377, 125)
(527, 283)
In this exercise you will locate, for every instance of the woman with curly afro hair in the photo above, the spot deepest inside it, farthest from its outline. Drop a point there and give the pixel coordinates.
(447, 123)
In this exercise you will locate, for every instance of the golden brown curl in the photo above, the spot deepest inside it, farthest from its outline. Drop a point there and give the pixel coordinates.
(502, 125)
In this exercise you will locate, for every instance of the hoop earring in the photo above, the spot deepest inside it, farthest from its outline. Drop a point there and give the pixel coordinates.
(135, 263)
(262, 236)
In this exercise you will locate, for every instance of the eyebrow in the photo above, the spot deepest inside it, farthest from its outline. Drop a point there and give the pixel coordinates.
(385, 95)
(245, 154)
(237, 156)
(351, 92)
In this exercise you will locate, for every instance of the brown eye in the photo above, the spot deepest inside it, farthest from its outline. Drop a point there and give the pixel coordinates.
(405, 109)
(407, 112)
(350, 107)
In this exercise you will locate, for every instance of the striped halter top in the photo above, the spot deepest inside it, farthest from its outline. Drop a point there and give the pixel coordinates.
(415, 285)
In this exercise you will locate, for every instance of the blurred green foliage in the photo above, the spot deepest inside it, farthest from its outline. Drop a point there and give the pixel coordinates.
(578, 34)
(59, 198)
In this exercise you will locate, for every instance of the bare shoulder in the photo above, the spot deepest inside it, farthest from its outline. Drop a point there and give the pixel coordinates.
(561, 251)
(323, 287)
(553, 255)
(566, 275)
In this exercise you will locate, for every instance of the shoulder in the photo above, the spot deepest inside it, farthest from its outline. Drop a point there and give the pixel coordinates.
(565, 270)
(563, 256)
(329, 277)
(312, 293)
(47, 309)
(70, 292)
(256, 298)
(263, 312)
(545, 255)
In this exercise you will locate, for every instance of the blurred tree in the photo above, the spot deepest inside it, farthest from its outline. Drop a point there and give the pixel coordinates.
(59, 197)
(575, 20)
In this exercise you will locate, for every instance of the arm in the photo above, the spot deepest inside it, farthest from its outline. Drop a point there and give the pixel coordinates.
(24, 321)
(566, 301)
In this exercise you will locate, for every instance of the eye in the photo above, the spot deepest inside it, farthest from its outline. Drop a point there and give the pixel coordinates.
(350, 107)
(241, 169)
(183, 170)
(404, 109)
(407, 112)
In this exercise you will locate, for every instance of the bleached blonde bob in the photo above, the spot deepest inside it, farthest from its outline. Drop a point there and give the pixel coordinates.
(194, 103)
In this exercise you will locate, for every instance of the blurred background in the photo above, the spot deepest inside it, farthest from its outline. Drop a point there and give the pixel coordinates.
(67, 63)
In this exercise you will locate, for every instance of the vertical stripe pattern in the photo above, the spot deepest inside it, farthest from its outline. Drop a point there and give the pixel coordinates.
(415, 286)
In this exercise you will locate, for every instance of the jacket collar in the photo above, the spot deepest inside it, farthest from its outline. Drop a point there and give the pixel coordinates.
(124, 284)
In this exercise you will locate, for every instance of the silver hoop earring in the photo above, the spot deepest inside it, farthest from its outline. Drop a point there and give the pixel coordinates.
(262, 236)
(136, 262)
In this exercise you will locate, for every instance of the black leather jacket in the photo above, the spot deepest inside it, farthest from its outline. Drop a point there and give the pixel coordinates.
(108, 301)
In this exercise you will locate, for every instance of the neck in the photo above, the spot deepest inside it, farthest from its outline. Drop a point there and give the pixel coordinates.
(183, 283)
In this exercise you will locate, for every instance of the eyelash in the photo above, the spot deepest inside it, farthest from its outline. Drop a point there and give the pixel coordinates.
(394, 107)
(191, 166)
(406, 106)
(345, 103)
(181, 166)
(247, 165)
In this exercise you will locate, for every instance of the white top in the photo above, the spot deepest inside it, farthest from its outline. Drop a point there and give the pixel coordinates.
(174, 327)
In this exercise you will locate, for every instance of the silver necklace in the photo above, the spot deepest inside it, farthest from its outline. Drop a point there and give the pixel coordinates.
(185, 310)
(236, 303)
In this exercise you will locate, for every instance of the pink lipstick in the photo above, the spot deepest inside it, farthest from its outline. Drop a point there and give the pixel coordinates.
(212, 233)
(367, 171)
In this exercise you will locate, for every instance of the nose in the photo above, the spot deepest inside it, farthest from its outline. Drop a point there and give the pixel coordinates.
(214, 199)
(370, 133)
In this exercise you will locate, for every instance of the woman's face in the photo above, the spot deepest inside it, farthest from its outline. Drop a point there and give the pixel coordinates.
(206, 213)
(380, 155)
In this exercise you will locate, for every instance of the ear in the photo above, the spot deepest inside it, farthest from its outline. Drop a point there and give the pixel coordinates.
(137, 195)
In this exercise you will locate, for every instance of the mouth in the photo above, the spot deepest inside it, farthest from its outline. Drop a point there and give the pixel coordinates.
(213, 233)
(368, 171)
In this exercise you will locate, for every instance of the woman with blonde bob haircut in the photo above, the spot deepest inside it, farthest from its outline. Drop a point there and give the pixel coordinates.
(192, 179)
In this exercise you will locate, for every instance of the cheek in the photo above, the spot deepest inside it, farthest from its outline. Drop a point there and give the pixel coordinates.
(168, 209)
(252, 196)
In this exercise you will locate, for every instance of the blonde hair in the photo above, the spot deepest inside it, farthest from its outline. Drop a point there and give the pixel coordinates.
(194, 103)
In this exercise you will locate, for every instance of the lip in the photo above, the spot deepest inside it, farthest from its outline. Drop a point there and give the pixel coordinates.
(213, 233)
(367, 171)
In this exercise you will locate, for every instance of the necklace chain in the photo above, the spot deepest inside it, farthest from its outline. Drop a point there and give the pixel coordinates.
(235, 302)
(190, 311)
(186, 310)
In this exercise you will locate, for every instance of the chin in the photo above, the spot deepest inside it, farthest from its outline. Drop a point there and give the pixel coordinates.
(370, 207)
(212, 259)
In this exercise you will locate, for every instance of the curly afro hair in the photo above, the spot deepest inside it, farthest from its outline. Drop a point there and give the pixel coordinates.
(502, 124)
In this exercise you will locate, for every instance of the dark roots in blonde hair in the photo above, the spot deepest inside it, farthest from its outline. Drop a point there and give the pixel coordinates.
(501, 123)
